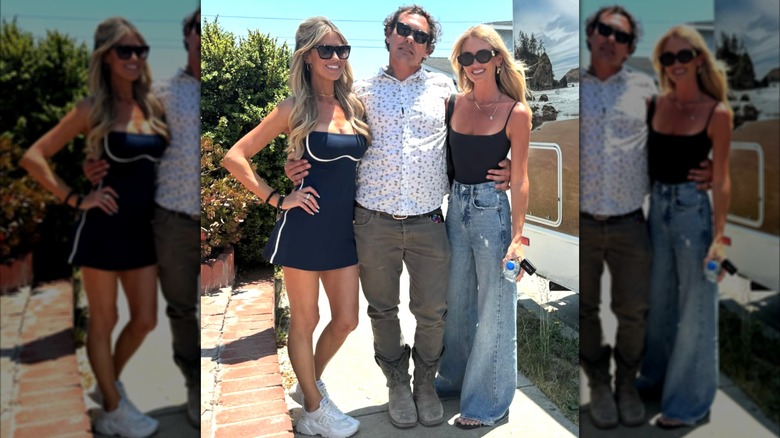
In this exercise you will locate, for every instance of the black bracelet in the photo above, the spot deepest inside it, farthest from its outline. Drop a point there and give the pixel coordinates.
(279, 204)
(67, 197)
(269, 196)
(78, 202)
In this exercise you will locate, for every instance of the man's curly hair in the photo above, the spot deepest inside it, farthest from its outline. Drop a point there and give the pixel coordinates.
(434, 29)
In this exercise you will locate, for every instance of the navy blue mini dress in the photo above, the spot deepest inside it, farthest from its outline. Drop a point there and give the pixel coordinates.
(124, 240)
(325, 240)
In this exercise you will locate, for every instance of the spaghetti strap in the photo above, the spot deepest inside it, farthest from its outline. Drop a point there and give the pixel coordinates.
(712, 111)
(651, 111)
(509, 115)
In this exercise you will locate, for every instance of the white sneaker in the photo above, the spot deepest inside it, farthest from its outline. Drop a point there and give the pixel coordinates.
(148, 421)
(124, 421)
(296, 393)
(327, 421)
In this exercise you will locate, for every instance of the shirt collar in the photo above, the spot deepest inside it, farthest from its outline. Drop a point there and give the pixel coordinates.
(621, 75)
(416, 75)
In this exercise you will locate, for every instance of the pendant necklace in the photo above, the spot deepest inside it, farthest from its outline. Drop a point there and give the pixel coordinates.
(482, 111)
(691, 115)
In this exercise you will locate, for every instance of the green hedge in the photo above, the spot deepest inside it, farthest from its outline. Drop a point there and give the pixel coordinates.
(242, 80)
(41, 80)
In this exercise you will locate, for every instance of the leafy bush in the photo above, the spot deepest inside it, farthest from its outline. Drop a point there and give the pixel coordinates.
(41, 81)
(223, 201)
(242, 80)
(23, 203)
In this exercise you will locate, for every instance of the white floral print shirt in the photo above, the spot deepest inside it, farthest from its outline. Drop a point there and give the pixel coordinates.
(613, 142)
(178, 175)
(404, 171)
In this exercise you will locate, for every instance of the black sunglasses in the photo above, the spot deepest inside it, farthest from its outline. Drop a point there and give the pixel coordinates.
(467, 58)
(125, 52)
(620, 36)
(684, 56)
(326, 52)
(405, 30)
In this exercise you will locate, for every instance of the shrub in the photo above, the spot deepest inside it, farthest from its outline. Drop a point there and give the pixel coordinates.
(41, 81)
(243, 79)
(23, 203)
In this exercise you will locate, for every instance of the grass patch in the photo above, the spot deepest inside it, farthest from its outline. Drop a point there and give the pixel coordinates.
(550, 360)
(751, 360)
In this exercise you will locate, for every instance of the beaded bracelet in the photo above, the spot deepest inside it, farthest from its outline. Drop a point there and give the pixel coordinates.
(67, 197)
(269, 195)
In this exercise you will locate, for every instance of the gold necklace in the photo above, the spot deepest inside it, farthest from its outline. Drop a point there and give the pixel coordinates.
(482, 111)
(679, 105)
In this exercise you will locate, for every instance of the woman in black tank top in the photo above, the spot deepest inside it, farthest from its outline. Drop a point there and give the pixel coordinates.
(688, 120)
(490, 119)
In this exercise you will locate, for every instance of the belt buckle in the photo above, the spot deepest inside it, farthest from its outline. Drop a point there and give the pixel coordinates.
(399, 217)
(600, 217)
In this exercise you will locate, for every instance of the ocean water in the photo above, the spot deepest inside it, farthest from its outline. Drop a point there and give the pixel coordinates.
(565, 100)
(766, 100)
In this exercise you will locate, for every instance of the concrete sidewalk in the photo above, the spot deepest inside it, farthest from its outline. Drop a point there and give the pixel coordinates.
(733, 414)
(153, 381)
(357, 385)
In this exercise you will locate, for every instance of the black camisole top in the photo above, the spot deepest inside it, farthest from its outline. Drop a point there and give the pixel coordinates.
(670, 157)
(474, 155)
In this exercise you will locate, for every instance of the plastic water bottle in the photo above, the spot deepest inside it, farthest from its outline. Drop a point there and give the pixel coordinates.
(712, 270)
(511, 269)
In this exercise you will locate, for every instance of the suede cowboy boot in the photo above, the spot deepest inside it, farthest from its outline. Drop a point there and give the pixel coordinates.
(630, 405)
(429, 409)
(603, 410)
(403, 413)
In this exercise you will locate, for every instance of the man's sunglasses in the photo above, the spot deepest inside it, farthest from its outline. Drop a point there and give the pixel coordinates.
(405, 30)
(467, 58)
(620, 36)
(684, 56)
(125, 52)
(326, 52)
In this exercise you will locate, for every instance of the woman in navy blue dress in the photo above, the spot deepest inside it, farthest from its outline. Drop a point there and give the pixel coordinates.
(113, 239)
(313, 239)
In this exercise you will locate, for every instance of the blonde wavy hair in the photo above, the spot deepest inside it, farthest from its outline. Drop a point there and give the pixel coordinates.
(303, 117)
(103, 113)
(710, 75)
(510, 79)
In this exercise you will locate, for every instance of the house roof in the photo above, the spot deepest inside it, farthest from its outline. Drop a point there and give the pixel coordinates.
(440, 63)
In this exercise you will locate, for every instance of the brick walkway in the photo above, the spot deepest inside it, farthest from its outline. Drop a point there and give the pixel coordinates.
(241, 386)
(41, 388)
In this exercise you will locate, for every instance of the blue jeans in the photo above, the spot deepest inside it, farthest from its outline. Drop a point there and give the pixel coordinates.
(681, 356)
(480, 334)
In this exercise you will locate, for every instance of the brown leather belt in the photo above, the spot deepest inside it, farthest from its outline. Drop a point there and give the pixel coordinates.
(400, 217)
(603, 218)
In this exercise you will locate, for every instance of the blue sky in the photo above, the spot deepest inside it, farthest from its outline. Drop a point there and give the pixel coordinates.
(556, 22)
(359, 21)
(158, 21)
(757, 23)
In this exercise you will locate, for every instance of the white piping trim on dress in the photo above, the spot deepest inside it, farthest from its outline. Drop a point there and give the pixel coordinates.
(281, 228)
(77, 238)
(126, 160)
(325, 160)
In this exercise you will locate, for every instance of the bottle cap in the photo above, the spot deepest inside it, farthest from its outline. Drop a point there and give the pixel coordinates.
(510, 265)
(712, 265)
